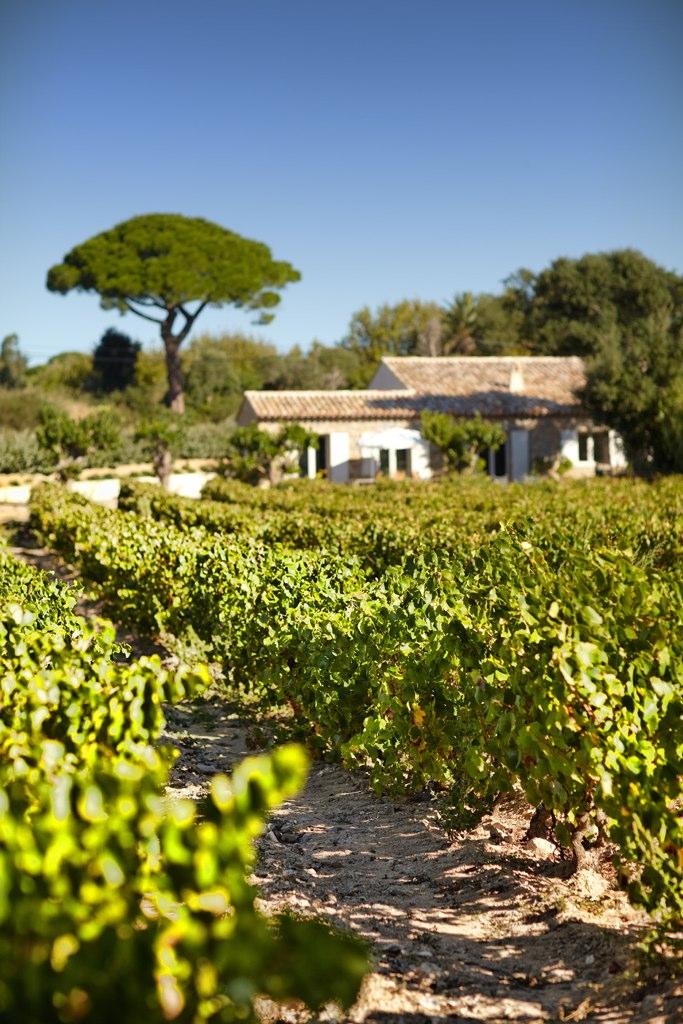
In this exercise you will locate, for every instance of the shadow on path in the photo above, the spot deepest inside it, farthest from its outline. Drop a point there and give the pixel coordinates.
(467, 930)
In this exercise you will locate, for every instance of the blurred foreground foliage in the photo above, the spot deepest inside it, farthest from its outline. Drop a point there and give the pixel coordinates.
(457, 636)
(118, 902)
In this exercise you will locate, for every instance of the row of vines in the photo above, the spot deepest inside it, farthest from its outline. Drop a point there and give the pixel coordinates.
(117, 903)
(465, 638)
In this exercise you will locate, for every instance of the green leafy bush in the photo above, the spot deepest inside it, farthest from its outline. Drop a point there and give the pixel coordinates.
(460, 439)
(20, 408)
(68, 441)
(116, 904)
(49, 600)
(21, 453)
(65, 686)
(253, 455)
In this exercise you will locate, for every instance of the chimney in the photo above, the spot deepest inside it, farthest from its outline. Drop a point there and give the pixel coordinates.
(516, 381)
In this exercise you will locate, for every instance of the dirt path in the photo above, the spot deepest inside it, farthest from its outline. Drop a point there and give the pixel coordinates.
(475, 928)
(464, 929)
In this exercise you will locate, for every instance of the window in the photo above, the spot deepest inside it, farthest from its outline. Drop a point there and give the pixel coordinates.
(384, 461)
(403, 460)
(500, 461)
(601, 447)
(321, 455)
(583, 447)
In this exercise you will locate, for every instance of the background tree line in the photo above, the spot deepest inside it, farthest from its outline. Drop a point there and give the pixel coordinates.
(619, 310)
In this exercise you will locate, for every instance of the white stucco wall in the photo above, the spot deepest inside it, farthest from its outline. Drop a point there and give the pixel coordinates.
(569, 445)
(420, 464)
(106, 492)
(338, 457)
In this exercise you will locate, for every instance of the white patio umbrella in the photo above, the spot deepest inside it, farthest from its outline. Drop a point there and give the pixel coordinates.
(394, 437)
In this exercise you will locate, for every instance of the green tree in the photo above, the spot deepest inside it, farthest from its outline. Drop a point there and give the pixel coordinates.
(114, 361)
(499, 325)
(219, 369)
(574, 304)
(255, 456)
(69, 441)
(162, 438)
(150, 382)
(20, 408)
(322, 367)
(168, 268)
(13, 363)
(469, 324)
(635, 384)
(624, 314)
(461, 441)
(460, 323)
(398, 330)
(485, 324)
(67, 371)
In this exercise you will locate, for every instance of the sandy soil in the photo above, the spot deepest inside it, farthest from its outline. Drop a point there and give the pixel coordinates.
(476, 926)
(470, 927)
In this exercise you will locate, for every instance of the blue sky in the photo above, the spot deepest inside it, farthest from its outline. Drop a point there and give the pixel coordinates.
(388, 149)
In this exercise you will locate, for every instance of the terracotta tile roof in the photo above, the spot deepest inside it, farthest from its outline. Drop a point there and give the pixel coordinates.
(546, 380)
(460, 385)
(328, 405)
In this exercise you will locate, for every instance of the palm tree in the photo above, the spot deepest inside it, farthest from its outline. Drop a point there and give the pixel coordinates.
(460, 321)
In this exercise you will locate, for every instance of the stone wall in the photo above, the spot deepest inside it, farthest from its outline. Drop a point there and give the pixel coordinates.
(544, 441)
(106, 490)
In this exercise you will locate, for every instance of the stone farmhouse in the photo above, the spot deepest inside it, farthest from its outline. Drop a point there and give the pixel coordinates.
(363, 433)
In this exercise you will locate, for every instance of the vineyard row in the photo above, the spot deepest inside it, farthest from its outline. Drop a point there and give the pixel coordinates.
(469, 641)
(115, 902)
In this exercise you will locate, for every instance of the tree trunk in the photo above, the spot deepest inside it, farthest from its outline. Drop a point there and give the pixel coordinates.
(163, 466)
(541, 824)
(472, 456)
(175, 397)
